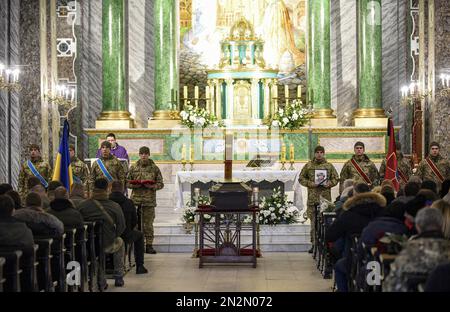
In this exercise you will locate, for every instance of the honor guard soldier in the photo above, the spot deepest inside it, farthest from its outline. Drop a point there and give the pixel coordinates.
(434, 167)
(107, 166)
(34, 167)
(80, 171)
(144, 178)
(319, 176)
(403, 166)
(359, 168)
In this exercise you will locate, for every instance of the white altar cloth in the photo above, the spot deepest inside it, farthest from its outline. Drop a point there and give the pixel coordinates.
(184, 179)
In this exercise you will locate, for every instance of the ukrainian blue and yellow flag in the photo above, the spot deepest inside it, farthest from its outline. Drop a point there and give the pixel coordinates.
(63, 169)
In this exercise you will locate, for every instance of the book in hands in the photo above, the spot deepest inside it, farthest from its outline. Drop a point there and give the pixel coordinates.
(141, 182)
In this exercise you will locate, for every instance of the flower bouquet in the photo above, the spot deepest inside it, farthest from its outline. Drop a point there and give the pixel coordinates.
(198, 118)
(292, 116)
(189, 212)
(276, 209)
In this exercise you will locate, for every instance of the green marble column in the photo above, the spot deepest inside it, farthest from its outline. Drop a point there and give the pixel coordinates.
(115, 105)
(369, 59)
(319, 59)
(166, 59)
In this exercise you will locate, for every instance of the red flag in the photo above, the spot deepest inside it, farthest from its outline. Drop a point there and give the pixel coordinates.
(391, 158)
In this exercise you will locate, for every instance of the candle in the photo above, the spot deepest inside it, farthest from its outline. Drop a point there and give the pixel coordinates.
(196, 92)
(192, 153)
(8, 73)
(183, 153)
(255, 195)
(185, 92)
(291, 152)
(72, 97)
(16, 75)
(66, 93)
(207, 92)
(286, 92)
(2, 68)
(283, 152)
(299, 91)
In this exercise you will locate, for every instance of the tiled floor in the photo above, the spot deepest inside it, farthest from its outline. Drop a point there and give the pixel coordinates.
(287, 272)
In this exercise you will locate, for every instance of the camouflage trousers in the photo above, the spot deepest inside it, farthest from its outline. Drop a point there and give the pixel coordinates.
(312, 218)
(148, 216)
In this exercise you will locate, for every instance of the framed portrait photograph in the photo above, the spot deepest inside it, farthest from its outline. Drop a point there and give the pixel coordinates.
(320, 176)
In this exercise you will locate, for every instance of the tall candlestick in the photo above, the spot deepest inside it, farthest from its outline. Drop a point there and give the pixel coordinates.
(291, 152)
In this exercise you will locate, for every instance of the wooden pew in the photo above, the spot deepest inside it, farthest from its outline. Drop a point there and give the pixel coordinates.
(12, 270)
(2, 279)
(44, 272)
(82, 257)
(99, 248)
(69, 254)
(92, 256)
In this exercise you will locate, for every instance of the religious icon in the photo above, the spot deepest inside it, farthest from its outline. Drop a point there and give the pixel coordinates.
(320, 176)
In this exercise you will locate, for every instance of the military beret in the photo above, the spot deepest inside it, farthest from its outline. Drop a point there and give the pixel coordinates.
(434, 143)
(319, 149)
(105, 144)
(144, 150)
(359, 143)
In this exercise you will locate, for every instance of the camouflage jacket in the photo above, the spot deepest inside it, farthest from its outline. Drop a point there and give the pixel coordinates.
(114, 167)
(420, 256)
(403, 165)
(349, 171)
(80, 171)
(44, 169)
(140, 171)
(307, 178)
(425, 173)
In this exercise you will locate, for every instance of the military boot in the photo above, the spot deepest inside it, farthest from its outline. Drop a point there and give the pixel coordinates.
(149, 249)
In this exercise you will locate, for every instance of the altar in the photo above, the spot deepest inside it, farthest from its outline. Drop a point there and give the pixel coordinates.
(288, 178)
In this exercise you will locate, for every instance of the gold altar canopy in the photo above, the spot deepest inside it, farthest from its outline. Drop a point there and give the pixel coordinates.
(242, 86)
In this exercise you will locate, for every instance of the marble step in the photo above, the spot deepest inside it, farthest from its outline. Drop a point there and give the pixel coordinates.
(173, 238)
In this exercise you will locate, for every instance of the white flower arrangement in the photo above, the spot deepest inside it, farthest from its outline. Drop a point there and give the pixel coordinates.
(198, 118)
(189, 211)
(276, 209)
(292, 116)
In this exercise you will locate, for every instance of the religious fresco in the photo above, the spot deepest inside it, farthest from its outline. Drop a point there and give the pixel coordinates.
(205, 23)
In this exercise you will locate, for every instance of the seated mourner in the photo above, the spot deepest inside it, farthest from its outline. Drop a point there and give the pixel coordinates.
(40, 222)
(99, 207)
(422, 254)
(13, 232)
(130, 234)
(64, 210)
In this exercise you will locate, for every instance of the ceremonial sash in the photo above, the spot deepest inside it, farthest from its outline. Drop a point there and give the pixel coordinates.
(434, 169)
(402, 175)
(76, 179)
(104, 170)
(37, 174)
(360, 171)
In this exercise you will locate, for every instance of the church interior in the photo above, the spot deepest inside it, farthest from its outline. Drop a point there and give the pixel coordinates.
(224, 146)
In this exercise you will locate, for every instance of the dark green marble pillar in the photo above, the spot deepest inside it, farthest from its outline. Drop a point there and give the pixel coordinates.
(166, 59)
(319, 59)
(369, 59)
(115, 104)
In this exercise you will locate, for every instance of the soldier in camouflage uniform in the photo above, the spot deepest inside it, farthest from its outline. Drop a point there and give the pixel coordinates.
(421, 254)
(424, 170)
(316, 186)
(41, 166)
(145, 194)
(80, 170)
(112, 165)
(403, 165)
(366, 165)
